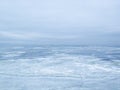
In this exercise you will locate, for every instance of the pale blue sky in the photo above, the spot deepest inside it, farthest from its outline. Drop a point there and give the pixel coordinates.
(91, 22)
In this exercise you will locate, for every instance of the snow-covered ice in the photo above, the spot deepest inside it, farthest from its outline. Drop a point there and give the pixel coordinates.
(60, 68)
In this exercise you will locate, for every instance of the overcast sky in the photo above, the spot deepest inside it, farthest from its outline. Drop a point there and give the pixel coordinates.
(89, 22)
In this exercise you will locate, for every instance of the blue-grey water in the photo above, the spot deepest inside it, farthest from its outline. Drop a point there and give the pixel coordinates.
(59, 68)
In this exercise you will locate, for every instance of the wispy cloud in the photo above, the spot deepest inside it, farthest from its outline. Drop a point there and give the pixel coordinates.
(33, 35)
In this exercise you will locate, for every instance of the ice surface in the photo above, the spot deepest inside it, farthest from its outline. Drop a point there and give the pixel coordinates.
(60, 68)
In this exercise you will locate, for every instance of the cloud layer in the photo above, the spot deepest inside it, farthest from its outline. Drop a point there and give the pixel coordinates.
(64, 21)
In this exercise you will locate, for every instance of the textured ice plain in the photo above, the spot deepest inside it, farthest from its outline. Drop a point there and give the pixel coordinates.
(60, 68)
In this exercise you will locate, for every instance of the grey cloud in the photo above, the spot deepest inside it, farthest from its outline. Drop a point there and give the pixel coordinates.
(79, 21)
